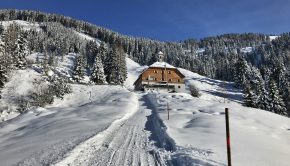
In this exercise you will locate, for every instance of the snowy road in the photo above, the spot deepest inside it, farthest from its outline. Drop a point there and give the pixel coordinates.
(125, 142)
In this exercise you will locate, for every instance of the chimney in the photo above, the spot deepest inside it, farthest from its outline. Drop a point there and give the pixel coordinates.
(160, 56)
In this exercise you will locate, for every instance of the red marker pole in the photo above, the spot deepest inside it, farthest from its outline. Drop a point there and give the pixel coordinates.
(228, 137)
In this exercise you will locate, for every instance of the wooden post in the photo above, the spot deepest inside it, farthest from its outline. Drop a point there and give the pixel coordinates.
(168, 110)
(228, 137)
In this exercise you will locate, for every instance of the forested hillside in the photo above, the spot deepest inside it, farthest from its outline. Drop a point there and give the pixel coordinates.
(258, 63)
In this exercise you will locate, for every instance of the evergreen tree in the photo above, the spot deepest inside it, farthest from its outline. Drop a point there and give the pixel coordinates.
(21, 51)
(79, 70)
(286, 97)
(278, 75)
(276, 102)
(102, 52)
(122, 76)
(98, 76)
(1, 28)
(250, 99)
(241, 72)
(258, 86)
(91, 53)
(111, 66)
(3, 76)
(263, 98)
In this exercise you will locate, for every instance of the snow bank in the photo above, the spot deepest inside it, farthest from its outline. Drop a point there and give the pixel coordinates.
(134, 70)
(197, 126)
(43, 136)
(21, 83)
(211, 89)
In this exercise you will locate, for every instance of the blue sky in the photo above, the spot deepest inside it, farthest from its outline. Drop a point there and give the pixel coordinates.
(171, 20)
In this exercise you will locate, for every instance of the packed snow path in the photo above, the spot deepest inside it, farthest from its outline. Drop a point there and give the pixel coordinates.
(125, 142)
(44, 135)
(138, 138)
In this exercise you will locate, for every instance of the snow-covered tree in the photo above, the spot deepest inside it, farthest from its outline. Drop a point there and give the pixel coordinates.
(102, 51)
(79, 70)
(277, 104)
(286, 97)
(259, 90)
(263, 97)
(3, 76)
(250, 98)
(21, 51)
(241, 72)
(1, 28)
(98, 76)
(111, 66)
(122, 66)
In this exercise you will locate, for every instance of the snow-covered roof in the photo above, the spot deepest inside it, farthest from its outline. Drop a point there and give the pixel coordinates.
(162, 64)
(160, 52)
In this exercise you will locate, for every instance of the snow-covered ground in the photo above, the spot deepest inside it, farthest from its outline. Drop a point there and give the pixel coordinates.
(87, 37)
(273, 37)
(44, 135)
(134, 69)
(21, 83)
(247, 49)
(109, 125)
(197, 126)
(24, 24)
(210, 89)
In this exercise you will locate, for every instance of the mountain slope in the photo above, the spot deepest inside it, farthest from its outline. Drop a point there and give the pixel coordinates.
(94, 119)
(197, 126)
(107, 124)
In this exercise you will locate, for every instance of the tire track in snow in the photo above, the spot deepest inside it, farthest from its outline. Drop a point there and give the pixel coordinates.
(125, 142)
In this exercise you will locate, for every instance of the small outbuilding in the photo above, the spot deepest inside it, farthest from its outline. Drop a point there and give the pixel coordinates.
(160, 76)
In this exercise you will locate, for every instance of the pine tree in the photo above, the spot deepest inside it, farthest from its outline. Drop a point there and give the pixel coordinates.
(102, 52)
(278, 75)
(79, 71)
(276, 102)
(91, 53)
(286, 97)
(98, 76)
(9, 38)
(2, 46)
(122, 76)
(258, 85)
(241, 72)
(21, 51)
(111, 66)
(3, 76)
(250, 99)
(263, 97)
(1, 28)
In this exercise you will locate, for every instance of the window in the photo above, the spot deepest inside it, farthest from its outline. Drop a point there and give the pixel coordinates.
(155, 79)
(155, 71)
(150, 78)
(170, 79)
(178, 80)
(169, 72)
(179, 87)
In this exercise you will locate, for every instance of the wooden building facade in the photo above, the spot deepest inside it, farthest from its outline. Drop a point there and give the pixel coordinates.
(160, 76)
